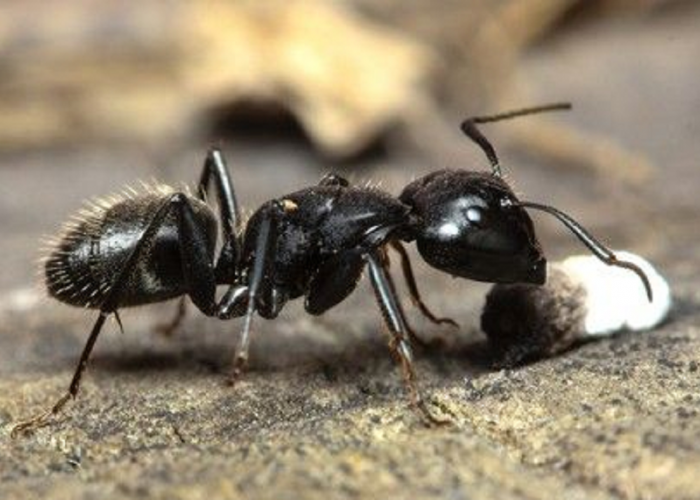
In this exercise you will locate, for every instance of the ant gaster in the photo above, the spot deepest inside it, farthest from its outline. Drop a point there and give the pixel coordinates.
(159, 243)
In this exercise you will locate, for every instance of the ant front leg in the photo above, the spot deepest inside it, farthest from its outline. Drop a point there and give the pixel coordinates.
(398, 327)
(198, 275)
(410, 279)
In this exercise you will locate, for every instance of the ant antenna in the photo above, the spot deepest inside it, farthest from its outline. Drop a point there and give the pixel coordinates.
(469, 128)
(596, 247)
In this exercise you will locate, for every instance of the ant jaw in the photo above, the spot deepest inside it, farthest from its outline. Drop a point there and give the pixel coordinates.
(524, 267)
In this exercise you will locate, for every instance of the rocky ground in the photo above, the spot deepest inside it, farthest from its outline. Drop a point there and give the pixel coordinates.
(322, 412)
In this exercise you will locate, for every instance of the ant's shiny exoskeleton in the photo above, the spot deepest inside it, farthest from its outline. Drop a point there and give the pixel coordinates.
(160, 243)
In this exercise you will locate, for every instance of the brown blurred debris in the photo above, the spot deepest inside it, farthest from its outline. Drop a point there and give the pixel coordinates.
(345, 78)
(150, 71)
(564, 146)
(482, 43)
(347, 72)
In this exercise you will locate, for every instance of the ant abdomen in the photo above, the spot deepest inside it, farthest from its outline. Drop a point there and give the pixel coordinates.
(84, 260)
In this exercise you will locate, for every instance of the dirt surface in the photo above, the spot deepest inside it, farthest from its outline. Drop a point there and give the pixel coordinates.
(323, 413)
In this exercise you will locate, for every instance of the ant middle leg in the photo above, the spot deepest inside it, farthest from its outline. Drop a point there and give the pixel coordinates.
(398, 327)
(168, 329)
(248, 295)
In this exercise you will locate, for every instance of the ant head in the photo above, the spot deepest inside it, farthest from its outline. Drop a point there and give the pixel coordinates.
(470, 224)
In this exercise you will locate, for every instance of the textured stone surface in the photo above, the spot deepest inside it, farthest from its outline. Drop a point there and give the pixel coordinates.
(323, 412)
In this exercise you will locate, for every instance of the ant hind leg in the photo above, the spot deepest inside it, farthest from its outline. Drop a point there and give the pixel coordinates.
(199, 279)
(44, 418)
(216, 170)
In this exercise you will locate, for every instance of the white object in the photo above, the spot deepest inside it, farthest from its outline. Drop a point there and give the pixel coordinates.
(616, 297)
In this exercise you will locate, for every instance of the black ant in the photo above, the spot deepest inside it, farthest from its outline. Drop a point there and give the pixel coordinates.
(159, 243)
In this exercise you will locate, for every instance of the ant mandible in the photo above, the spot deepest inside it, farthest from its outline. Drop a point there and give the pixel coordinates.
(159, 243)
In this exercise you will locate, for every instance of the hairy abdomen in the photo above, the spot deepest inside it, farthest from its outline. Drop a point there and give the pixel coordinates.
(86, 259)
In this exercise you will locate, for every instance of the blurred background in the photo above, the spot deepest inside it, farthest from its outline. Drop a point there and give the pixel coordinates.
(95, 94)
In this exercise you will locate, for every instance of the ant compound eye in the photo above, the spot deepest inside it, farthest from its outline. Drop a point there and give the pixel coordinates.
(475, 215)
